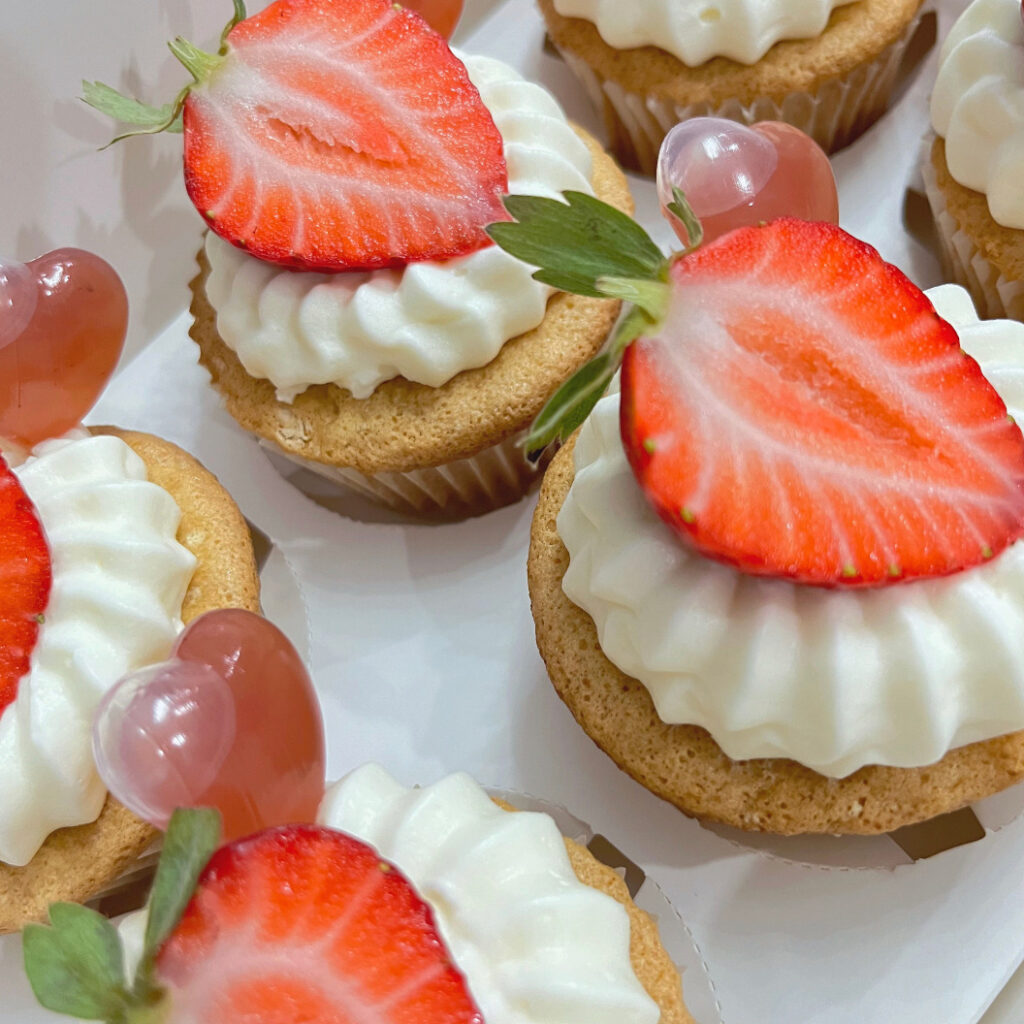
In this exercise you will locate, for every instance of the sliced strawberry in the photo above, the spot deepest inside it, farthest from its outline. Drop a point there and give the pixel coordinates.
(25, 579)
(342, 134)
(303, 923)
(804, 413)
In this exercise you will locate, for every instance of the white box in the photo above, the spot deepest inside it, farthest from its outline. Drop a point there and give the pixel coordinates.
(421, 641)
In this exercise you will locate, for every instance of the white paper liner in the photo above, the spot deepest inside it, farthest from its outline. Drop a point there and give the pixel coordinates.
(995, 296)
(840, 110)
(492, 478)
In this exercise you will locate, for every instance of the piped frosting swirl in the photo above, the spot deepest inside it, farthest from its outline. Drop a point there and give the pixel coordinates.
(119, 579)
(695, 31)
(978, 105)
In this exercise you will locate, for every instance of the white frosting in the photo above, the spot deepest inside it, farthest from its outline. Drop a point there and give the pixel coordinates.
(978, 105)
(694, 31)
(119, 578)
(425, 322)
(536, 945)
(834, 679)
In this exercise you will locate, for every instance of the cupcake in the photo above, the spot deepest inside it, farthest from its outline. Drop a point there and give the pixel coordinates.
(974, 164)
(402, 904)
(780, 580)
(828, 66)
(137, 539)
(349, 305)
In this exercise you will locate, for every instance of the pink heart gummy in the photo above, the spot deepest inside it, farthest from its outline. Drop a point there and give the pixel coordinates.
(734, 176)
(63, 319)
(230, 721)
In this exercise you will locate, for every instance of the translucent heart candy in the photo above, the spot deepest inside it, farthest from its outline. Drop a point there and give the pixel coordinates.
(230, 721)
(63, 319)
(734, 176)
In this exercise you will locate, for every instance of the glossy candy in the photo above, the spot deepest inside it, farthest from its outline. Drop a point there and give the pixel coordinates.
(230, 721)
(441, 15)
(734, 176)
(63, 319)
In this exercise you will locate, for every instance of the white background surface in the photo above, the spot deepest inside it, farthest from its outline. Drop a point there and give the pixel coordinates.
(421, 641)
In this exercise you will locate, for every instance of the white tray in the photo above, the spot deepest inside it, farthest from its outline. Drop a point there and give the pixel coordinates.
(421, 646)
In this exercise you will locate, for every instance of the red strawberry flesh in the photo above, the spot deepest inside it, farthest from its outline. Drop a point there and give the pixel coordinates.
(340, 135)
(26, 576)
(302, 923)
(804, 413)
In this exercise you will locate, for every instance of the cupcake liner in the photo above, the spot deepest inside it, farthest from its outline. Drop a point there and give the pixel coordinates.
(834, 115)
(492, 478)
(995, 296)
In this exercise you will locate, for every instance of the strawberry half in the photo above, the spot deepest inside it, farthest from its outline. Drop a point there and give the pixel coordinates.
(25, 579)
(341, 135)
(303, 923)
(804, 413)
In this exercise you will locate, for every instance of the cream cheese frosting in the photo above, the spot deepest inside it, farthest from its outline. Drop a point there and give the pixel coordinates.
(978, 105)
(119, 579)
(536, 945)
(694, 31)
(833, 679)
(425, 322)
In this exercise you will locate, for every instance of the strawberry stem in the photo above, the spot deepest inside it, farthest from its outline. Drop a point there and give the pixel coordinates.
(155, 1012)
(199, 64)
(651, 296)
(572, 403)
(147, 120)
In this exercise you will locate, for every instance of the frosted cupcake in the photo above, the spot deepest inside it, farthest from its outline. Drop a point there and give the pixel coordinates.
(401, 905)
(779, 578)
(975, 164)
(140, 539)
(763, 704)
(413, 386)
(827, 67)
(349, 305)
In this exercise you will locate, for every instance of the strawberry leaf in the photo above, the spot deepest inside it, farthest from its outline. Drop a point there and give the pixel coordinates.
(146, 120)
(76, 966)
(573, 402)
(192, 836)
(239, 15)
(577, 242)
